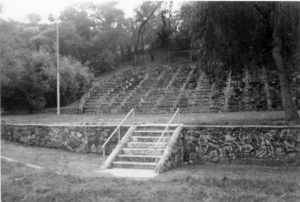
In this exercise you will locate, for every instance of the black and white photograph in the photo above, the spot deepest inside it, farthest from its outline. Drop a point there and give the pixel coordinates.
(131, 100)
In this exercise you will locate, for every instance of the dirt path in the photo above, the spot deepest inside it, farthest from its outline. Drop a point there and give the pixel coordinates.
(87, 165)
(56, 160)
(63, 162)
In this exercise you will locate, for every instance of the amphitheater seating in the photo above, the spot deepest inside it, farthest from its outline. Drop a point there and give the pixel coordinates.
(295, 85)
(154, 89)
(164, 88)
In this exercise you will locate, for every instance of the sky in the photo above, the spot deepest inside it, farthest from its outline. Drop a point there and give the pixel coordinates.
(19, 9)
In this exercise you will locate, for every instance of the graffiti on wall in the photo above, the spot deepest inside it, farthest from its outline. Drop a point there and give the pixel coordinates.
(239, 143)
(70, 138)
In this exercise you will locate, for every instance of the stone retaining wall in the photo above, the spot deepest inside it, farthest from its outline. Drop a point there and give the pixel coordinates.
(270, 145)
(172, 156)
(71, 138)
(247, 144)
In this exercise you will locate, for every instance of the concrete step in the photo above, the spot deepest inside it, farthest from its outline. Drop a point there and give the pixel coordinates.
(146, 134)
(157, 127)
(138, 158)
(153, 131)
(142, 151)
(140, 165)
(148, 139)
(160, 145)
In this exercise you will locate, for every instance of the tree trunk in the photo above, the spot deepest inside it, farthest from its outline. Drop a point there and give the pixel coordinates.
(140, 30)
(247, 88)
(129, 53)
(122, 53)
(266, 87)
(227, 92)
(135, 57)
(290, 110)
(298, 47)
(143, 46)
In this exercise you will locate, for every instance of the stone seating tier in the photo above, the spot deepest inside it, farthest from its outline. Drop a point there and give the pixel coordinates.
(163, 89)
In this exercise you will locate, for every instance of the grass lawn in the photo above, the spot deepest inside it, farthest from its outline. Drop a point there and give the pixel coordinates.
(20, 183)
(260, 118)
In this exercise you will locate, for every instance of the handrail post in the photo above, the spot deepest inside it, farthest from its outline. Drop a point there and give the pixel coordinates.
(165, 131)
(104, 153)
(117, 129)
(133, 118)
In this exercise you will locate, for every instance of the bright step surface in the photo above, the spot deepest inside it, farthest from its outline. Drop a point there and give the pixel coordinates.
(140, 156)
(135, 163)
(153, 131)
(130, 173)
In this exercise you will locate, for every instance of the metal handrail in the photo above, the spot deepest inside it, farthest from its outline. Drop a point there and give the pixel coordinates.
(168, 125)
(117, 128)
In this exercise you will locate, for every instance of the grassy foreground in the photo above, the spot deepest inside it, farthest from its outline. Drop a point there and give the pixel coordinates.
(20, 183)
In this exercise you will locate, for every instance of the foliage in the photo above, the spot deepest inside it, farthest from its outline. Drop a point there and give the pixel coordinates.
(28, 70)
(75, 79)
(93, 34)
(34, 18)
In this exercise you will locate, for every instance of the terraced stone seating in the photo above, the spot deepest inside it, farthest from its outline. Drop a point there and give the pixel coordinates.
(163, 88)
(295, 86)
(236, 101)
(167, 104)
(108, 96)
(217, 97)
(159, 89)
(274, 87)
(254, 96)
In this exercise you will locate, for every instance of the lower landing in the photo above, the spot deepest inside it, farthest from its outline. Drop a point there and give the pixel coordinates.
(130, 173)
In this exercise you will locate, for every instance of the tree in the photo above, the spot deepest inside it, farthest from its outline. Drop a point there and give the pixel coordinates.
(144, 13)
(165, 29)
(279, 15)
(34, 18)
(28, 71)
(94, 34)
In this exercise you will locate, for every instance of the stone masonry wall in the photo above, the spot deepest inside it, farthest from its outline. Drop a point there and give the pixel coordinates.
(250, 145)
(175, 154)
(87, 139)
(175, 157)
(195, 144)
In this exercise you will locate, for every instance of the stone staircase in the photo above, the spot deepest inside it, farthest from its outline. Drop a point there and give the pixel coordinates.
(137, 149)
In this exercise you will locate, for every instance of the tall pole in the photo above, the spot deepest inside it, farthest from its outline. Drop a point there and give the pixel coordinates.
(57, 63)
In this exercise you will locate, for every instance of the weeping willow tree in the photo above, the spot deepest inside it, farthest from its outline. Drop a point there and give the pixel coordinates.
(284, 21)
(239, 35)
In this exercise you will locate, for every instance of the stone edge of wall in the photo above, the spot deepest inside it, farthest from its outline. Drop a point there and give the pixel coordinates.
(172, 155)
(183, 126)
